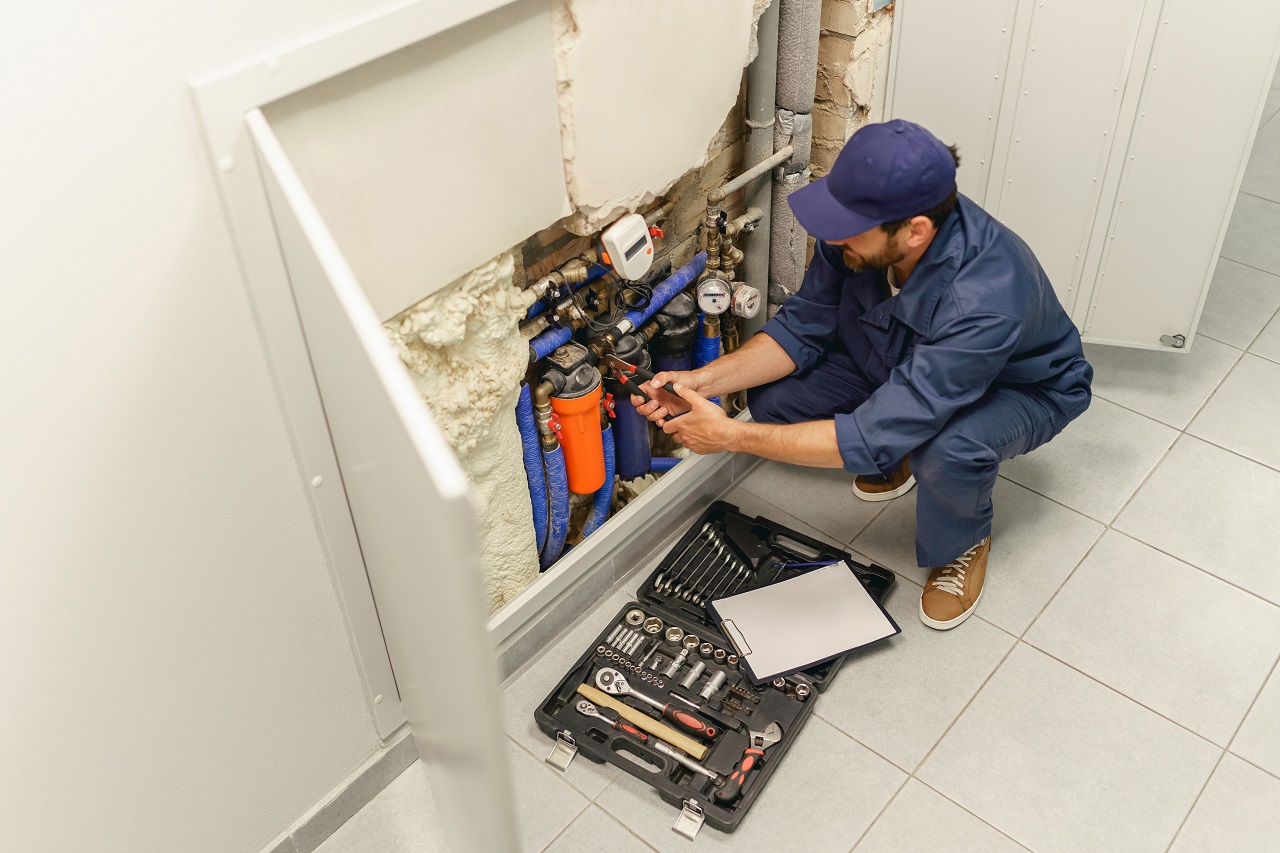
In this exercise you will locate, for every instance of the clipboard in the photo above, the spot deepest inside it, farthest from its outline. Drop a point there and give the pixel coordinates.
(803, 621)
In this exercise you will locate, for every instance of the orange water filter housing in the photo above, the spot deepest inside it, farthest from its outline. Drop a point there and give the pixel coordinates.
(577, 425)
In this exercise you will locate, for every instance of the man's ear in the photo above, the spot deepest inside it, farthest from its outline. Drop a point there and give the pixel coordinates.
(921, 227)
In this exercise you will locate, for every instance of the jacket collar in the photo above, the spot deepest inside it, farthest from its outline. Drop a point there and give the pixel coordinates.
(915, 305)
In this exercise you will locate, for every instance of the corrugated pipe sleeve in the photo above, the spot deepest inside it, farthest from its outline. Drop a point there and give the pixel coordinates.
(663, 293)
(558, 496)
(662, 464)
(548, 342)
(604, 495)
(533, 463)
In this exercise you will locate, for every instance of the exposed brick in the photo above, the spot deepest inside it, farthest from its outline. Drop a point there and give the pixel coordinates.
(844, 16)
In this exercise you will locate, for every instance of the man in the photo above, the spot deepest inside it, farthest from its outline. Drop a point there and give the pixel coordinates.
(926, 344)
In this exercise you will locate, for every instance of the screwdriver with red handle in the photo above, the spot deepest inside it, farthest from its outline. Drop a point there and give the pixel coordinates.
(751, 756)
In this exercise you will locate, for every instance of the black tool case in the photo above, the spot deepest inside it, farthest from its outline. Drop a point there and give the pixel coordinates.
(732, 553)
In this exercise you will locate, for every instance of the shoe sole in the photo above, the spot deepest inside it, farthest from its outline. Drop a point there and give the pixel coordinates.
(948, 625)
(876, 497)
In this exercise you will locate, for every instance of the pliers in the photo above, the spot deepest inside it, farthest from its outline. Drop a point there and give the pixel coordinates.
(623, 372)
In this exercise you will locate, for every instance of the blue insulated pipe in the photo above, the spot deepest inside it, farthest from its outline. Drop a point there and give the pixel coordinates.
(558, 496)
(548, 342)
(663, 293)
(604, 495)
(532, 463)
(663, 363)
(662, 464)
(705, 350)
(631, 439)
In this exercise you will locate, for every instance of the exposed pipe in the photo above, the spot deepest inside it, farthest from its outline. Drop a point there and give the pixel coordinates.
(575, 272)
(762, 84)
(799, 24)
(533, 463)
(707, 348)
(663, 464)
(558, 497)
(604, 495)
(662, 294)
(720, 193)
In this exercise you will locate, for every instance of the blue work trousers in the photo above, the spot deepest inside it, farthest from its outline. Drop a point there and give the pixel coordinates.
(956, 469)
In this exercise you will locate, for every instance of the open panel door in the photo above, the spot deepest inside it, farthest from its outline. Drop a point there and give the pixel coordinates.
(412, 512)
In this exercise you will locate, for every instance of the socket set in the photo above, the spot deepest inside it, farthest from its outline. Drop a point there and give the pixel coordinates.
(660, 693)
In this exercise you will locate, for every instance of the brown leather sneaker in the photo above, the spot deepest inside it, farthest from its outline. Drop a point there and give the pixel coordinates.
(954, 590)
(879, 488)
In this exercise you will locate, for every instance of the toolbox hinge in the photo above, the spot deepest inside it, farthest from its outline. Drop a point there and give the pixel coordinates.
(690, 820)
(1175, 341)
(563, 752)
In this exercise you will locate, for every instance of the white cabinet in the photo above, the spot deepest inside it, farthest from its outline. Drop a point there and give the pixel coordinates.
(1111, 135)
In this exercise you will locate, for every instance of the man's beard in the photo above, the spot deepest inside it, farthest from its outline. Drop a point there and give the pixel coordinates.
(887, 258)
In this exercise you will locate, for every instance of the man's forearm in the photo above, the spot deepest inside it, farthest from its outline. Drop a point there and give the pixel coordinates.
(758, 361)
(813, 443)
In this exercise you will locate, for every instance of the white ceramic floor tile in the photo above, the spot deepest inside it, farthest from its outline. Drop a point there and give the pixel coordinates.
(1243, 413)
(1167, 386)
(1213, 509)
(1262, 175)
(1097, 462)
(1035, 543)
(899, 696)
(1241, 300)
(920, 818)
(594, 831)
(1061, 763)
(826, 793)
(1271, 107)
(523, 695)
(1259, 738)
(403, 818)
(1239, 812)
(1268, 343)
(750, 504)
(1251, 236)
(1179, 641)
(821, 497)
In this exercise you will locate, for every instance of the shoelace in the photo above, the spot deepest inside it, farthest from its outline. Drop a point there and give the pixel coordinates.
(951, 579)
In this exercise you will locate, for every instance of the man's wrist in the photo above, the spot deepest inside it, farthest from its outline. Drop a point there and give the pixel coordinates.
(740, 433)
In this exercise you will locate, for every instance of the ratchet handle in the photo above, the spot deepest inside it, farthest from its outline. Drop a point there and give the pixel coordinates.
(624, 726)
(690, 722)
(732, 787)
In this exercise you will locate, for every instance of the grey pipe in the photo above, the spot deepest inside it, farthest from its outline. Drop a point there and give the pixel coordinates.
(722, 192)
(799, 25)
(762, 85)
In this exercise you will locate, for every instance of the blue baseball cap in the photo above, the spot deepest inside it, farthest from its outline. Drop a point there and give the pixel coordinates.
(884, 173)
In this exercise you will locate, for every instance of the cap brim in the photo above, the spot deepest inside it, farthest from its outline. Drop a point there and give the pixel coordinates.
(823, 216)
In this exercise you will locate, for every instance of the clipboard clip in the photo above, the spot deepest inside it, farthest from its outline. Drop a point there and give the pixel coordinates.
(736, 638)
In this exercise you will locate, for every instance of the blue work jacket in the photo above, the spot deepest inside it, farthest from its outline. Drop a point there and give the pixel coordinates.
(977, 311)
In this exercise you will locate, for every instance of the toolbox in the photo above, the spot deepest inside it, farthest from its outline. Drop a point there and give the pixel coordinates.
(660, 693)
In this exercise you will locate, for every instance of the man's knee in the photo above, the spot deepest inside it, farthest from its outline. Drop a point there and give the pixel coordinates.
(769, 405)
(948, 453)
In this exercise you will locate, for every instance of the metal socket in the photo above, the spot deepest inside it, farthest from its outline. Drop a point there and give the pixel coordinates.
(691, 641)
(674, 635)
(694, 674)
(719, 655)
(731, 660)
(676, 664)
(802, 692)
(713, 684)
(635, 617)
(652, 625)
(706, 650)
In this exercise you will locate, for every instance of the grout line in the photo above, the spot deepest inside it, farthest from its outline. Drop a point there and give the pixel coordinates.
(1258, 197)
(957, 717)
(870, 749)
(1194, 802)
(1192, 565)
(620, 823)
(1249, 710)
(1069, 576)
(1246, 264)
(1121, 694)
(565, 828)
(975, 815)
(880, 813)
(1234, 452)
(561, 776)
(746, 488)
(1257, 767)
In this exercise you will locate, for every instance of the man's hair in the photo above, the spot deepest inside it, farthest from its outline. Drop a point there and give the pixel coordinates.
(937, 213)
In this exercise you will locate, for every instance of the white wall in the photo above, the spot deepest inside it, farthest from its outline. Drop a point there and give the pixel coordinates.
(176, 672)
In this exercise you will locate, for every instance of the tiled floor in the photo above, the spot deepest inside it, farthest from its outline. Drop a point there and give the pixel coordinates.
(1118, 689)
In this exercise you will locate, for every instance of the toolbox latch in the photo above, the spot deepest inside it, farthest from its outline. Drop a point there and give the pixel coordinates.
(690, 820)
(564, 751)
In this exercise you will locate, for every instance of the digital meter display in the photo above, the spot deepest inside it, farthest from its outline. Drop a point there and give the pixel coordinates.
(635, 250)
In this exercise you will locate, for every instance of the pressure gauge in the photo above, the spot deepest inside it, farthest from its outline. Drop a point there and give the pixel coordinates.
(713, 295)
(745, 301)
(628, 246)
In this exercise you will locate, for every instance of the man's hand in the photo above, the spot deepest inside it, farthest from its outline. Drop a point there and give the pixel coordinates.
(705, 428)
(661, 404)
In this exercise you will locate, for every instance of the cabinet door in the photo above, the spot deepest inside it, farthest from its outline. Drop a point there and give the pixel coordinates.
(1202, 93)
(410, 503)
